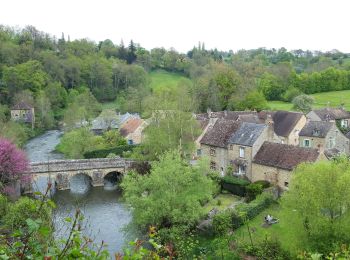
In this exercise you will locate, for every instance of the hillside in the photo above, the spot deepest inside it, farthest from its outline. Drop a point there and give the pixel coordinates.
(161, 79)
(335, 98)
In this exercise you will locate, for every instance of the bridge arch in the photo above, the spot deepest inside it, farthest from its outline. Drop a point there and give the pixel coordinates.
(80, 182)
(111, 179)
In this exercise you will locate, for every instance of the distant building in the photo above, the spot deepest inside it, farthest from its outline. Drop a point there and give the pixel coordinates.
(323, 135)
(23, 112)
(132, 130)
(331, 114)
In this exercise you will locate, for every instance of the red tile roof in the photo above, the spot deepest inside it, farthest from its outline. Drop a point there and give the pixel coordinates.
(130, 126)
(284, 156)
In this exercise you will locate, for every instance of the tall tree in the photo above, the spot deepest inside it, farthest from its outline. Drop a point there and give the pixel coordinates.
(131, 57)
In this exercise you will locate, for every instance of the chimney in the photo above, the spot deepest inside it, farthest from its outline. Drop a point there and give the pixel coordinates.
(270, 128)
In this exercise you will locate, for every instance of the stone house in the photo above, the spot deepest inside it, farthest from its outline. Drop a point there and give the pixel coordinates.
(132, 130)
(323, 135)
(214, 143)
(275, 162)
(23, 112)
(331, 114)
(244, 144)
(287, 125)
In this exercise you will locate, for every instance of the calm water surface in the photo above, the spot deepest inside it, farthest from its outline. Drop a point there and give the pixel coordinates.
(105, 212)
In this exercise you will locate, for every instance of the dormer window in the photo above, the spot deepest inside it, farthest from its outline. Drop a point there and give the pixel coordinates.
(316, 132)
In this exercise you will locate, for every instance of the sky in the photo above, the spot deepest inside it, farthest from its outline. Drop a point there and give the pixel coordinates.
(181, 24)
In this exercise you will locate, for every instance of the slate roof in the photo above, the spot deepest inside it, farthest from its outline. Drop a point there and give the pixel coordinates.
(332, 113)
(247, 134)
(285, 121)
(348, 135)
(316, 129)
(284, 156)
(229, 115)
(100, 123)
(220, 133)
(21, 106)
(130, 126)
(331, 153)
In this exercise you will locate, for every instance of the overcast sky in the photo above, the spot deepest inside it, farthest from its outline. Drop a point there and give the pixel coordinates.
(224, 24)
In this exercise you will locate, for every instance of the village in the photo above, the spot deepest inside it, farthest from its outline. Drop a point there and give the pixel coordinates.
(269, 145)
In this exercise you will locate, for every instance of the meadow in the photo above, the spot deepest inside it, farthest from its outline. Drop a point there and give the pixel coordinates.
(332, 98)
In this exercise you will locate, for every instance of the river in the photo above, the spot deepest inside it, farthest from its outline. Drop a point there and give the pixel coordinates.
(104, 210)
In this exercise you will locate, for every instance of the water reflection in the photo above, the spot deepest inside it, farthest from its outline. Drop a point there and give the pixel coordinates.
(104, 211)
(80, 183)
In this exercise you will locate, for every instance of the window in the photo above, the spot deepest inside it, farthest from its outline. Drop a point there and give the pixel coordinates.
(241, 152)
(331, 143)
(199, 152)
(213, 165)
(286, 184)
(306, 143)
(130, 142)
(231, 147)
(344, 123)
(212, 152)
(241, 169)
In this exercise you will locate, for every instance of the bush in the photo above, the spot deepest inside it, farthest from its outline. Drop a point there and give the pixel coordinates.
(253, 190)
(103, 153)
(222, 222)
(235, 185)
(251, 210)
(268, 249)
(3, 206)
(23, 209)
(290, 94)
(265, 184)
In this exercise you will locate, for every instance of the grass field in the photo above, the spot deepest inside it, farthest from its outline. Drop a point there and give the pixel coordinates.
(226, 200)
(161, 79)
(335, 98)
(291, 239)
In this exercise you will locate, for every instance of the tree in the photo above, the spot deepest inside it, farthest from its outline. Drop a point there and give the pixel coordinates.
(171, 195)
(79, 141)
(254, 101)
(303, 103)
(112, 138)
(44, 114)
(131, 56)
(13, 163)
(318, 198)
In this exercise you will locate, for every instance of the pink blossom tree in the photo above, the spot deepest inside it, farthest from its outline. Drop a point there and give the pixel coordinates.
(13, 163)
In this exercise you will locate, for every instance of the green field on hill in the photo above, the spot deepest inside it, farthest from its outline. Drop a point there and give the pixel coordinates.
(335, 98)
(161, 79)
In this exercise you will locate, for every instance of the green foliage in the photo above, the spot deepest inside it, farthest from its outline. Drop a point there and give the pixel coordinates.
(26, 208)
(76, 143)
(3, 206)
(235, 185)
(170, 195)
(290, 94)
(113, 138)
(222, 222)
(267, 249)
(271, 87)
(102, 153)
(252, 190)
(254, 101)
(324, 215)
(15, 132)
(252, 209)
(303, 103)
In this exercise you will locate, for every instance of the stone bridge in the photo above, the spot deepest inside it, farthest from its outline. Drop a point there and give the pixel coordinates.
(61, 172)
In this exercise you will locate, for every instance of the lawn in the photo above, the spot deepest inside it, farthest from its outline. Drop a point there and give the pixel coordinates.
(161, 79)
(226, 200)
(291, 239)
(335, 98)
(109, 105)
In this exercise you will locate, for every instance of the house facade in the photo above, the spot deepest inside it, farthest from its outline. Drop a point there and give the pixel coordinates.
(323, 135)
(331, 114)
(244, 144)
(23, 112)
(132, 130)
(214, 143)
(275, 162)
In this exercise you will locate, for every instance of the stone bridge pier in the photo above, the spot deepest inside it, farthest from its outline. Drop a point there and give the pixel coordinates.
(61, 172)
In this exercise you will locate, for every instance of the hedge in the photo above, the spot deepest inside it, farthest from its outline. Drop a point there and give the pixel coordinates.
(234, 185)
(102, 153)
(251, 210)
